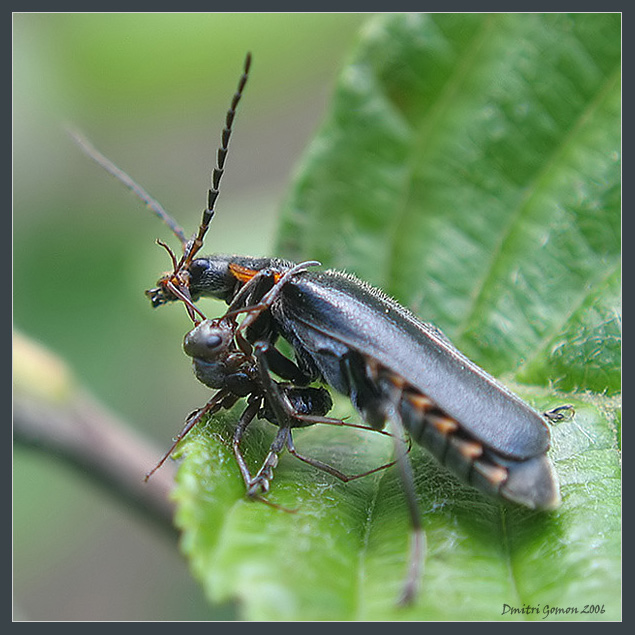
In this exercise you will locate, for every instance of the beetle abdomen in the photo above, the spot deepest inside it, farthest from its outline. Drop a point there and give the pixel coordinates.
(530, 481)
(331, 316)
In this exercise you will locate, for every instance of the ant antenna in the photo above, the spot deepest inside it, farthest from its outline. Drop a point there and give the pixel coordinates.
(151, 203)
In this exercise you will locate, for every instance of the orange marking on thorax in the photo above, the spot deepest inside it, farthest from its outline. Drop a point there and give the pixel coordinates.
(244, 274)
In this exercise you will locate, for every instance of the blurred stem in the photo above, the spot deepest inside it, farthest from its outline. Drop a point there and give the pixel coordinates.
(51, 413)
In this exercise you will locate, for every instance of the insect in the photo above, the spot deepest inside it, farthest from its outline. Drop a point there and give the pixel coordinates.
(396, 369)
(223, 361)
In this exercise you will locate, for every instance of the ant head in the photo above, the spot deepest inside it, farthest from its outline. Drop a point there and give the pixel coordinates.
(211, 340)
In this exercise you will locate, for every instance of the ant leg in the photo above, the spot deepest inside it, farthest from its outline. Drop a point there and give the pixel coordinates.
(183, 294)
(276, 361)
(221, 399)
(314, 419)
(284, 413)
(242, 342)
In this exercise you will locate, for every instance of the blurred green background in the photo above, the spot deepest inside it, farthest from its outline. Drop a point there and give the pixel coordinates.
(150, 90)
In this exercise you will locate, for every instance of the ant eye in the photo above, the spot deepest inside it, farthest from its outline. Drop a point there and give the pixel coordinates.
(213, 341)
(208, 341)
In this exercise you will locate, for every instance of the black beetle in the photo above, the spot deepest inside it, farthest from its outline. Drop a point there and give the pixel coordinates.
(356, 339)
(394, 367)
(365, 345)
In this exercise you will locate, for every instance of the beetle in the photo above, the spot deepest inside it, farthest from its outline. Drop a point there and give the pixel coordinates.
(395, 368)
(366, 346)
(344, 333)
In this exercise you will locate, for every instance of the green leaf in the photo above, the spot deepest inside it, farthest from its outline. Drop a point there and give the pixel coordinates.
(469, 166)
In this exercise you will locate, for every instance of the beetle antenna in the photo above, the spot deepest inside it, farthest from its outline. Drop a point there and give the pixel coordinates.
(179, 278)
(151, 203)
(196, 242)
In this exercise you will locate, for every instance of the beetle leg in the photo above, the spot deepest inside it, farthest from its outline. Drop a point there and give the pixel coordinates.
(284, 367)
(345, 424)
(362, 391)
(259, 484)
(246, 418)
(290, 415)
(257, 286)
(377, 406)
(268, 298)
(329, 469)
(259, 481)
(418, 536)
